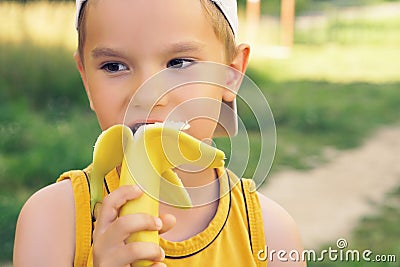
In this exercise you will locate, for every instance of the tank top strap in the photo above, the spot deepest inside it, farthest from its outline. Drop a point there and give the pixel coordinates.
(83, 224)
(255, 219)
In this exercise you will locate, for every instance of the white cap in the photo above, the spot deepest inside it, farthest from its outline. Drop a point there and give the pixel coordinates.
(228, 8)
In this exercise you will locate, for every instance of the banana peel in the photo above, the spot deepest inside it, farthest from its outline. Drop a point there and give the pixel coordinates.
(148, 159)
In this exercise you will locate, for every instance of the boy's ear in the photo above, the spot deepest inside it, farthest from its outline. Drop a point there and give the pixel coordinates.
(81, 69)
(239, 63)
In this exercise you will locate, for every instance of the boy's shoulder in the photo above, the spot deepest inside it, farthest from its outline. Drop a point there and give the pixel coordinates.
(46, 219)
(280, 229)
(57, 198)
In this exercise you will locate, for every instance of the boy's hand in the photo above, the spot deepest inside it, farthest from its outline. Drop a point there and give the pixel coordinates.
(109, 248)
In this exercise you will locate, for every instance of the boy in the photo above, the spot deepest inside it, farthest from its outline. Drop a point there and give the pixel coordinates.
(121, 44)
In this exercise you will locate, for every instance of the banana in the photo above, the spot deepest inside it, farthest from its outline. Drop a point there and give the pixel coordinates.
(107, 155)
(148, 159)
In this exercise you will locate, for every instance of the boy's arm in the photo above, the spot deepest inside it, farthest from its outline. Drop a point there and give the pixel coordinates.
(281, 233)
(45, 233)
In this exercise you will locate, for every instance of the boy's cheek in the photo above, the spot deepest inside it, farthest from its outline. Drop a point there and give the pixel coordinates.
(196, 110)
(202, 129)
(108, 111)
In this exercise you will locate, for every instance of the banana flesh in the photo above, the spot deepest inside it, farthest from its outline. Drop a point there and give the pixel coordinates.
(148, 159)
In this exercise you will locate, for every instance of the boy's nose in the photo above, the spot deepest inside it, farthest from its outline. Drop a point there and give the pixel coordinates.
(146, 97)
(152, 90)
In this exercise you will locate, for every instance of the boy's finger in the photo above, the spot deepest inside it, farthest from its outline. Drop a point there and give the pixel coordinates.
(168, 221)
(112, 203)
(133, 252)
(124, 226)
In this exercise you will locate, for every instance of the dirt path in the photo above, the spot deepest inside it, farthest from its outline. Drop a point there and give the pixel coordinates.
(326, 202)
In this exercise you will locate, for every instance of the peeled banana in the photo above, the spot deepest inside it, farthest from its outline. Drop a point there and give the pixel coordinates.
(148, 158)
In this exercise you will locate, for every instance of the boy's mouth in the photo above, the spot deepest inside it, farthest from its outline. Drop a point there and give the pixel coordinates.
(136, 126)
(175, 125)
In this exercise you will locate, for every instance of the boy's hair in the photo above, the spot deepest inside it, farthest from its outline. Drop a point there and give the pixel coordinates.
(221, 27)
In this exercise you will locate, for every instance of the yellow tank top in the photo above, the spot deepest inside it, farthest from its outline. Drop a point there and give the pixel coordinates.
(233, 237)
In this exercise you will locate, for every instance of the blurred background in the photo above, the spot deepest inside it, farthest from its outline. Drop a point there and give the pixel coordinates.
(330, 71)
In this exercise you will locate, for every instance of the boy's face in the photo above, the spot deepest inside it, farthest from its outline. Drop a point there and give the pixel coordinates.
(128, 41)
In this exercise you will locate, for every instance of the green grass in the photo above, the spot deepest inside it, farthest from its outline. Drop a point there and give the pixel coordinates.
(374, 230)
(333, 62)
(10, 205)
(46, 126)
(308, 6)
(43, 78)
(378, 232)
(347, 31)
(35, 148)
(311, 115)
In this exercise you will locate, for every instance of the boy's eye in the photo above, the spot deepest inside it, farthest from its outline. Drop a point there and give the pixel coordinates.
(179, 63)
(114, 67)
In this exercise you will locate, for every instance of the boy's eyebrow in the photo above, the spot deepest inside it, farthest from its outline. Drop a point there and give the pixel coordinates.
(182, 47)
(106, 52)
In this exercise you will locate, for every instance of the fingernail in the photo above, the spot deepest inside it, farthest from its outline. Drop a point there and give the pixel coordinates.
(136, 189)
(158, 222)
(162, 254)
